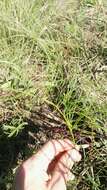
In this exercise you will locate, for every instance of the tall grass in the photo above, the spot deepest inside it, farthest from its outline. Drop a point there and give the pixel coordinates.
(56, 52)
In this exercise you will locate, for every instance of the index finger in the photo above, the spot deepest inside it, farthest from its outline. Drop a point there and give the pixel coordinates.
(50, 150)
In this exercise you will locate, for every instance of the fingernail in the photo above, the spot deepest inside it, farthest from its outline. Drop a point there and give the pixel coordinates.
(71, 176)
(75, 155)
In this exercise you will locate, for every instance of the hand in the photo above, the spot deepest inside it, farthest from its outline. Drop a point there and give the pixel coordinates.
(49, 169)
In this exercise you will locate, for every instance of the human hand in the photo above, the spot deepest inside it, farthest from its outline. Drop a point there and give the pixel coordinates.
(49, 168)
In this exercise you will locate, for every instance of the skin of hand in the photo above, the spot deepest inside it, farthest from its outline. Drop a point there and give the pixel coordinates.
(49, 168)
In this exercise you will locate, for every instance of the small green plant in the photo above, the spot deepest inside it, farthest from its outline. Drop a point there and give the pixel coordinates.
(13, 130)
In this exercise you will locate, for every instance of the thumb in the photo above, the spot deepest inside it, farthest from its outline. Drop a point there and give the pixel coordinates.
(61, 172)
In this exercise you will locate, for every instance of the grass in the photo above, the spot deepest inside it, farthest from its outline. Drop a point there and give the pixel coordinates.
(54, 53)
